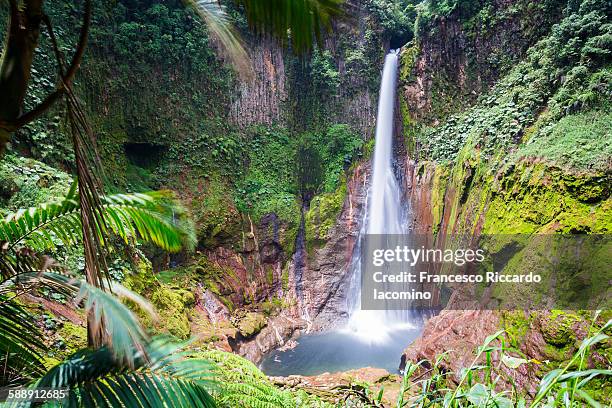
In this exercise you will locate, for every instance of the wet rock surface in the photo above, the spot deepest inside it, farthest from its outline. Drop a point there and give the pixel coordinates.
(277, 330)
(456, 332)
(326, 275)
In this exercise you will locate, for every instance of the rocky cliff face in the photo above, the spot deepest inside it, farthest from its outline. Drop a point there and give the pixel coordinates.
(469, 187)
(461, 54)
(337, 84)
(248, 261)
(325, 277)
(314, 289)
(263, 98)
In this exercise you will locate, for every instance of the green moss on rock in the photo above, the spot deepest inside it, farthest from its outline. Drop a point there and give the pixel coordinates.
(73, 335)
(171, 310)
(323, 213)
(251, 324)
(217, 218)
(438, 190)
(516, 324)
(408, 57)
(558, 328)
(170, 303)
(533, 197)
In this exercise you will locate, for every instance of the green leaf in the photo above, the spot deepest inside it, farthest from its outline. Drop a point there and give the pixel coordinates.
(154, 379)
(155, 217)
(513, 362)
(590, 400)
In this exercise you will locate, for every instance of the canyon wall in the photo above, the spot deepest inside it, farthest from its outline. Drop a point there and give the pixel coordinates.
(169, 112)
(471, 170)
(488, 89)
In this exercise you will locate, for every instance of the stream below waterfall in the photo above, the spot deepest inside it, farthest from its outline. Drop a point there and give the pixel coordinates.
(371, 338)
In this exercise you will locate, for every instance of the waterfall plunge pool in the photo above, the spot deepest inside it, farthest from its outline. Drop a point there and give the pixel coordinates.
(339, 350)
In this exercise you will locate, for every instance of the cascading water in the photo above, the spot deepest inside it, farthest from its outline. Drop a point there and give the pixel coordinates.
(371, 338)
(385, 214)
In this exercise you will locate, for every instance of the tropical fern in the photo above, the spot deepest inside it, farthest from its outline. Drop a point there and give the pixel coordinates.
(244, 385)
(21, 344)
(162, 375)
(255, 396)
(153, 217)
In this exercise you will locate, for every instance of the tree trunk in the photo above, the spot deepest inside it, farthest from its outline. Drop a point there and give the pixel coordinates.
(21, 42)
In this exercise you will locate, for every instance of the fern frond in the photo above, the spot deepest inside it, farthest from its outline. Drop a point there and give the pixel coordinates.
(154, 217)
(162, 376)
(21, 344)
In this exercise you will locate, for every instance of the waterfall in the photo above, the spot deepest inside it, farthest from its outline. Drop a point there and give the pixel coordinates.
(384, 214)
(370, 338)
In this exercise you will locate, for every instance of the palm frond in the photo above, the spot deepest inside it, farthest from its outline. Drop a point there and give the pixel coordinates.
(152, 217)
(304, 21)
(163, 375)
(117, 326)
(114, 322)
(21, 344)
(21, 261)
(218, 22)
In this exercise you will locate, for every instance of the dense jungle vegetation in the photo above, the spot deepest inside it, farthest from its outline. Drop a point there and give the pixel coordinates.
(156, 153)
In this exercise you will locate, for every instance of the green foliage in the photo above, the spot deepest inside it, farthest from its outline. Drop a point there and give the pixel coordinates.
(478, 15)
(283, 165)
(147, 217)
(21, 342)
(309, 164)
(269, 185)
(164, 375)
(340, 147)
(561, 73)
(215, 212)
(324, 74)
(478, 383)
(396, 17)
(26, 182)
(362, 61)
(579, 141)
(171, 306)
(214, 151)
(246, 386)
(158, 34)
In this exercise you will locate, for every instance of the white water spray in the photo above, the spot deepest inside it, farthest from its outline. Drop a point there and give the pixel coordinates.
(384, 214)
